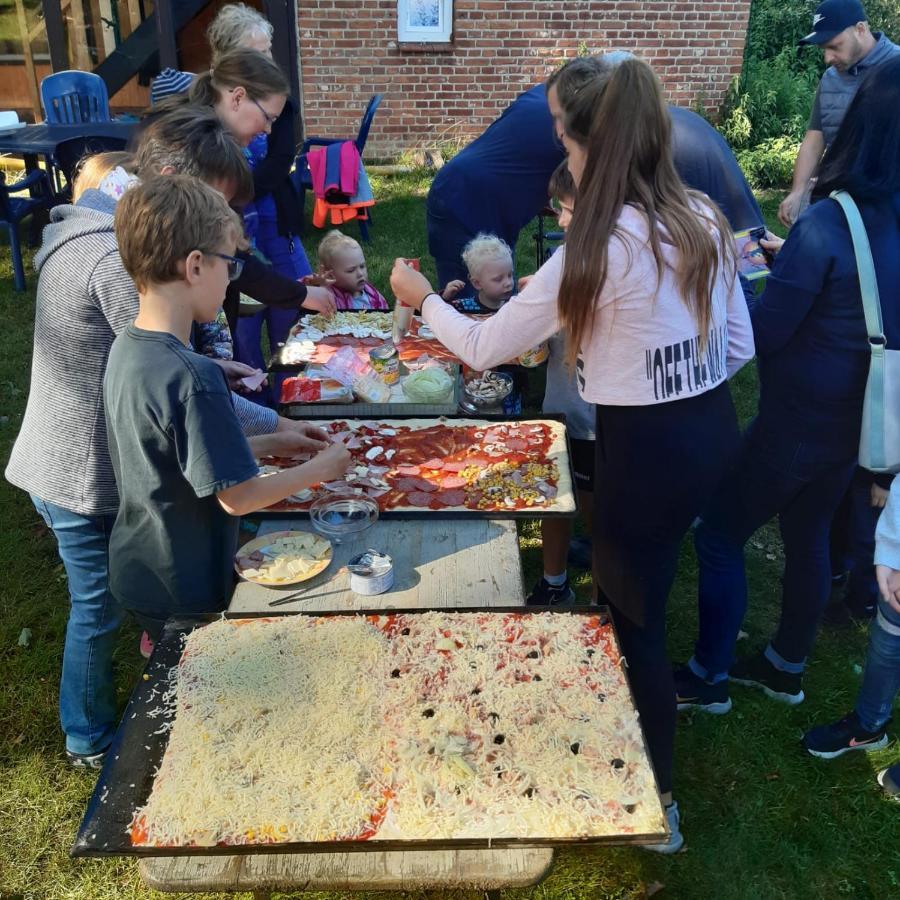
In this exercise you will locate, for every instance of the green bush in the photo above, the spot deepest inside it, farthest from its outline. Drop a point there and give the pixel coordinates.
(767, 107)
(770, 163)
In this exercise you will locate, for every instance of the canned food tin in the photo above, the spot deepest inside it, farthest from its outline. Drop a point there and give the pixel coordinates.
(530, 359)
(386, 363)
(371, 572)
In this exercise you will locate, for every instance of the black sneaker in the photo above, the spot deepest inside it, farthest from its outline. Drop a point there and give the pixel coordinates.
(86, 760)
(692, 692)
(838, 738)
(757, 671)
(889, 779)
(546, 594)
(847, 611)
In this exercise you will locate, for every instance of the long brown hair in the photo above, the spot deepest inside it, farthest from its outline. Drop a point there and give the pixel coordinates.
(253, 71)
(621, 119)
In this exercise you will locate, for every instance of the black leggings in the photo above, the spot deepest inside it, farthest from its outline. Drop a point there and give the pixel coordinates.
(656, 468)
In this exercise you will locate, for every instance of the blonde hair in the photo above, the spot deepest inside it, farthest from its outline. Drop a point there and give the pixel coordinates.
(485, 248)
(332, 244)
(191, 215)
(91, 170)
(232, 24)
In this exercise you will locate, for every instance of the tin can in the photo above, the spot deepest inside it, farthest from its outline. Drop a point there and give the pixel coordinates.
(371, 572)
(386, 363)
(532, 358)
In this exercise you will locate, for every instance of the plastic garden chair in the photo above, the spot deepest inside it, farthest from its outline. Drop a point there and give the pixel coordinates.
(14, 209)
(72, 98)
(303, 179)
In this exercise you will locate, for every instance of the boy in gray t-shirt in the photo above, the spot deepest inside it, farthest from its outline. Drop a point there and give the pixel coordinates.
(184, 470)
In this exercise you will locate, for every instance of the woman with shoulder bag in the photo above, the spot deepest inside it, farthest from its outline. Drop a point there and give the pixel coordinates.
(814, 361)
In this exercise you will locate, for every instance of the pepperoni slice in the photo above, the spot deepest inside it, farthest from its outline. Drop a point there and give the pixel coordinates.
(425, 485)
(456, 466)
(409, 484)
(516, 443)
(433, 464)
(449, 482)
(419, 498)
(452, 498)
(408, 470)
(477, 461)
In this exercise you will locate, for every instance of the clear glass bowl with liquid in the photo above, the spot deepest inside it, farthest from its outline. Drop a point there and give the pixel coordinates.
(339, 515)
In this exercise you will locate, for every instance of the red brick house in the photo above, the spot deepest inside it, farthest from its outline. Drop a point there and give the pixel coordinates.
(442, 82)
(448, 90)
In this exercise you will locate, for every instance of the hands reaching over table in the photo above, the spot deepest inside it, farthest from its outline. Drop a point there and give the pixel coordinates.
(319, 299)
(306, 438)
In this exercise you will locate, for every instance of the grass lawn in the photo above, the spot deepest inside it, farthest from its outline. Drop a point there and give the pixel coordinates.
(761, 818)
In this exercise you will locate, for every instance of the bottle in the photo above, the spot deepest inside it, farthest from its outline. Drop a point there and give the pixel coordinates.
(403, 314)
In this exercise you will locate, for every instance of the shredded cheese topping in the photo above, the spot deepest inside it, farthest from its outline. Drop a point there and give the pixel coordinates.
(403, 726)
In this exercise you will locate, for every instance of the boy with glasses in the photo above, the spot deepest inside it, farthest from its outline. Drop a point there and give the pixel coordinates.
(184, 468)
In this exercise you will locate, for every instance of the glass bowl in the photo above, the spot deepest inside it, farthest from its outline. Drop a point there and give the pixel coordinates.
(339, 515)
(489, 399)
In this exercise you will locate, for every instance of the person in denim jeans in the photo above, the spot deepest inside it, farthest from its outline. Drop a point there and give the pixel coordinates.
(865, 727)
(800, 453)
(87, 691)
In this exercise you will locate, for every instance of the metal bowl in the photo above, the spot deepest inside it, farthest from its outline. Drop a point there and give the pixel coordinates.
(339, 515)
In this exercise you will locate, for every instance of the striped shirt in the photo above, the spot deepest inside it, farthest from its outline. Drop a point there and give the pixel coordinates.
(84, 299)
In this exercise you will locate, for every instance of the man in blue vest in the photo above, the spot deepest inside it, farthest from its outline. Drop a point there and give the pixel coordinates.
(851, 51)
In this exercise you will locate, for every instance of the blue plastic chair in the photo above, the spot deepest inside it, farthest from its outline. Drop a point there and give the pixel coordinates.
(301, 175)
(73, 97)
(14, 209)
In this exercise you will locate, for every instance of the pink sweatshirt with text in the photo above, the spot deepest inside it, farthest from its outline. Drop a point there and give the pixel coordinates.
(644, 348)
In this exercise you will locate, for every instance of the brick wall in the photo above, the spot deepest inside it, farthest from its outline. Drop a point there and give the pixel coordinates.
(349, 50)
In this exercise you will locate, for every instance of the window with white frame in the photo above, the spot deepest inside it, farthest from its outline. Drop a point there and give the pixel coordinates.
(424, 21)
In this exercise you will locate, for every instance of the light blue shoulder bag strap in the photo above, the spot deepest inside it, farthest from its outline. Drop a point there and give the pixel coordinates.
(868, 288)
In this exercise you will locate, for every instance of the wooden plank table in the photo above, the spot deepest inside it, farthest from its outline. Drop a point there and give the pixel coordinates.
(437, 563)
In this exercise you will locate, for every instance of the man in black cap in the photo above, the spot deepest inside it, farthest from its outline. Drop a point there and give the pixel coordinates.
(851, 50)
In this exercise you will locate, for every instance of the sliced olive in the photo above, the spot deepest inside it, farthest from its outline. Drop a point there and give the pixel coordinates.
(499, 738)
(428, 713)
(617, 763)
(575, 747)
(395, 673)
(533, 655)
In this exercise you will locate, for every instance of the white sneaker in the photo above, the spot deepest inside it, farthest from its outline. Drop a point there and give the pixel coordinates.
(676, 838)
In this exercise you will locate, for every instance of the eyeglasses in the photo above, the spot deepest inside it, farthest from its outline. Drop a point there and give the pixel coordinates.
(235, 265)
(270, 119)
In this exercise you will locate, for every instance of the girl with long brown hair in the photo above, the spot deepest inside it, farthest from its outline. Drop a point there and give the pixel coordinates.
(647, 293)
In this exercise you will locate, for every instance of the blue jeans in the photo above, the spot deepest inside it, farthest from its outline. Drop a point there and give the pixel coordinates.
(87, 693)
(881, 681)
(802, 484)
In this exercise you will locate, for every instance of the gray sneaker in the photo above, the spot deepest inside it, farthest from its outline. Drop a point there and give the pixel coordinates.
(676, 838)
(86, 760)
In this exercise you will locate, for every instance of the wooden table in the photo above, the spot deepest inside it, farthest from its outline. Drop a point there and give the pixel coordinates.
(437, 563)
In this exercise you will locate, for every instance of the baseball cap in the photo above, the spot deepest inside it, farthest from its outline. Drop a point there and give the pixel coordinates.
(832, 17)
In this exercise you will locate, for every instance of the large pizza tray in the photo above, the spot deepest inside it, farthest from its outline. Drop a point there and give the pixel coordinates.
(565, 505)
(127, 777)
(410, 348)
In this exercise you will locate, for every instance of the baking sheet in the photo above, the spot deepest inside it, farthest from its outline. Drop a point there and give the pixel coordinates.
(419, 513)
(126, 779)
(391, 409)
